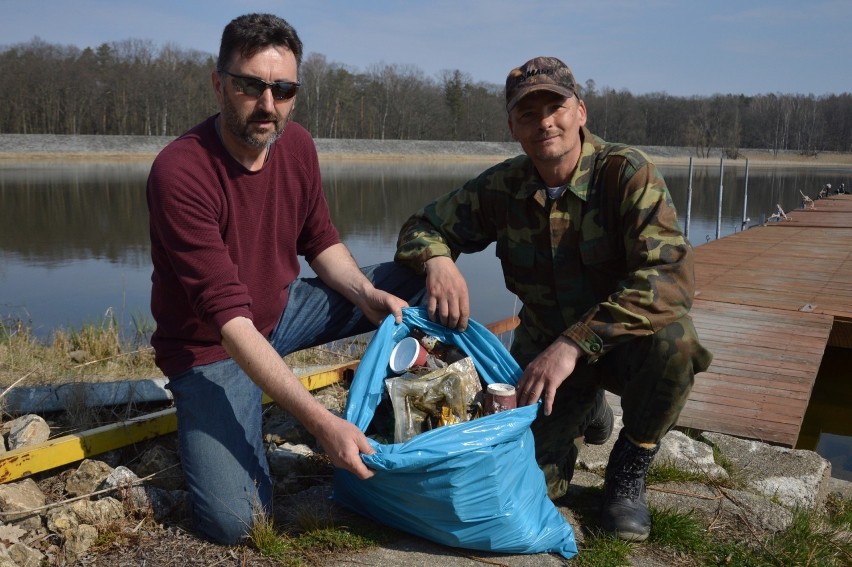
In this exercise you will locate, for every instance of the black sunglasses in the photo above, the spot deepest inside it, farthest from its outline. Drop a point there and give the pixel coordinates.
(281, 90)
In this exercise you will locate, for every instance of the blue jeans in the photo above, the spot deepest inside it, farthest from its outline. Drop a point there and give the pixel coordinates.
(219, 407)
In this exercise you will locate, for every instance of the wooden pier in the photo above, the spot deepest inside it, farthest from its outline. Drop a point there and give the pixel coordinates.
(768, 302)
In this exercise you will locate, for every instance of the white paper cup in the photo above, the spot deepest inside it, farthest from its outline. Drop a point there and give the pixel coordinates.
(406, 354)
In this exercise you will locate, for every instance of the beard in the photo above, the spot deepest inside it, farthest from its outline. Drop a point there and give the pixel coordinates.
(242, 127)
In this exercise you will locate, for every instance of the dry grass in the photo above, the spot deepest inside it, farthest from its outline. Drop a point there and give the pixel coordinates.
(94, 353)
(343, 350)
(98, 353)
(76, 358)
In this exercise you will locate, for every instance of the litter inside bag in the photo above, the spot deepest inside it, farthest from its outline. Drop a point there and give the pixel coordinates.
(473, 484)
(444, 396)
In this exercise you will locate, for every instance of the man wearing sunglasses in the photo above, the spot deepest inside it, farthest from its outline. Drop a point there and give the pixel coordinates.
(233, 203)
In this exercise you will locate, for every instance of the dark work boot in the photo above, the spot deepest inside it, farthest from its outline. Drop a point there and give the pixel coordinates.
(600, 428)
(625, 513)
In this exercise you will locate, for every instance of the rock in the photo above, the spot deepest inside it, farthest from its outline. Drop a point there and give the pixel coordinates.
(87, 478)
(840, 488)
(163, 464)
(760, 512)
(281, 458)
(76, 522)
(333, 398)
(62, 520)
(97, 512)
(78, 356)
(112, 458)
(720, 507)
(141, 498)
(22, 554)
(587, 479)
(279, 427)
(77, 543)
(705, 502)
(687, 454)
(6, 561)
(18, 499)
(123, 481)
(164, 503)
(796, 478)
(27, 430)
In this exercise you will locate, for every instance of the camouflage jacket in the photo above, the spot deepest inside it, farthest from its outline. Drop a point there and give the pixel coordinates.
(603, 263)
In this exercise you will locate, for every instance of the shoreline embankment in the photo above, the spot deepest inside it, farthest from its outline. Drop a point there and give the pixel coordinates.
(16, 148)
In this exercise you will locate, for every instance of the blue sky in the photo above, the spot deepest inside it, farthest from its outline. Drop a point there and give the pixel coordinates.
(682, 47)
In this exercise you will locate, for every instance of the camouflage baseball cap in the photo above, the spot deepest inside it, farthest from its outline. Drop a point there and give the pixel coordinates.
(541, 73)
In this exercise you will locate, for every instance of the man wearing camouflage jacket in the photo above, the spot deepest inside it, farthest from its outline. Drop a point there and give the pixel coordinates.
(589, 241)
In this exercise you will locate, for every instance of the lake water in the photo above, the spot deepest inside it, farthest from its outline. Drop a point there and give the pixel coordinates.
(74, 240)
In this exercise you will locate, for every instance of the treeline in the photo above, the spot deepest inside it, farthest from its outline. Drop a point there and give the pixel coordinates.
(133, 87)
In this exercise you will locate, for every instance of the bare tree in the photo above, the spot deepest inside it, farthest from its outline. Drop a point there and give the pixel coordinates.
(133, 87)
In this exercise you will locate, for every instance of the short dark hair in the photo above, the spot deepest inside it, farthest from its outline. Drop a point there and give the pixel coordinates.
(251, 33)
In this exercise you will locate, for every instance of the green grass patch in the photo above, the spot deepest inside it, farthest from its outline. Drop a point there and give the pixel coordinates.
(270, 543)
(839, 512)
(678, 531)
(736, 477)
(308, 547)
(810, 541)
(666, 472)
(313, 529)
(333, 540)
(601, 550)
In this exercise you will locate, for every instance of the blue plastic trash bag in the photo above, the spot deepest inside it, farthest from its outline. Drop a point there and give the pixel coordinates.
(472, 485)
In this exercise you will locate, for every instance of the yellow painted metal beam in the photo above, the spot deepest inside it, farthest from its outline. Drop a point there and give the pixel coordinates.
(325, 377)
(70, 448)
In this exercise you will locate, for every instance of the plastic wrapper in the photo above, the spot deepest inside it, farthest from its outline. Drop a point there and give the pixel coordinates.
(445, 396)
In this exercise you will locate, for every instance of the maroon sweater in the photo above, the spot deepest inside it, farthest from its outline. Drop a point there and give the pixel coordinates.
(225, 241)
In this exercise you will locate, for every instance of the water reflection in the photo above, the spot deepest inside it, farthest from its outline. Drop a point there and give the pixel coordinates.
(54, 215)
(74, 237)
(65, 224)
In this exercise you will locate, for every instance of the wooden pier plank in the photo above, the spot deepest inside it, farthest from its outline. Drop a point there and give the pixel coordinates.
(768, 301)
(763, 370)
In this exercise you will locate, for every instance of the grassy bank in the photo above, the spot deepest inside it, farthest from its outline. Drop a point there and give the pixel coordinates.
(92, 353)
(98, 352)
